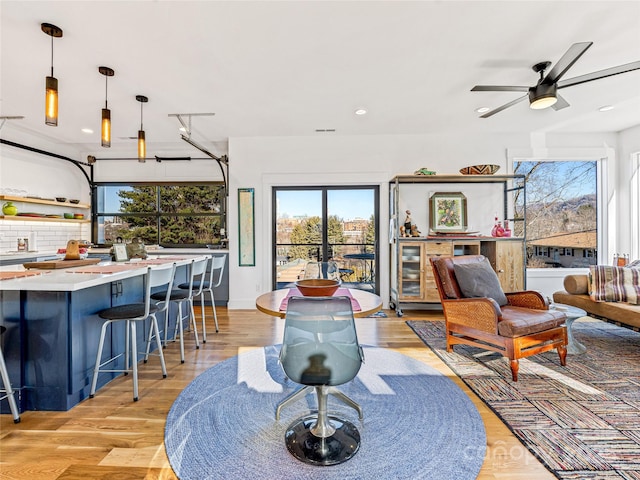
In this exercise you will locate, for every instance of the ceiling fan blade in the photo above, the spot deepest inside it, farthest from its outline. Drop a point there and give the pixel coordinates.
(503, 107)
(499, 88)
(607, 72)
(560, 104)
(570, 57)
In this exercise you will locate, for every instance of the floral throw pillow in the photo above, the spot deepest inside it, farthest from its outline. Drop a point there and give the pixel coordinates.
(614, 284)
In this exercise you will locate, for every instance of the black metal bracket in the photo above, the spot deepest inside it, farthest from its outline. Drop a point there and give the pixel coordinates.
(80, 165)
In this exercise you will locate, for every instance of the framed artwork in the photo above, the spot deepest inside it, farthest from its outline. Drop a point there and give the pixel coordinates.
(448, 212)
(120, 252)
(246, 228)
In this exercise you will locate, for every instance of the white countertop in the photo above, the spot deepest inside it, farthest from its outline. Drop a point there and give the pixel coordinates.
(169, 251)
(65, 280)
(14, 255)
(32, 254)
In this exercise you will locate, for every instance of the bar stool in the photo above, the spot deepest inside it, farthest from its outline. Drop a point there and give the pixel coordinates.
(163, 308)
(217, 268)
(157, 276)
(197, 272)
(6, 382)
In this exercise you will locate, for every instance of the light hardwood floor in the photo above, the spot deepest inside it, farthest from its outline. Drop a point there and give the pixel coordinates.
(112, 437)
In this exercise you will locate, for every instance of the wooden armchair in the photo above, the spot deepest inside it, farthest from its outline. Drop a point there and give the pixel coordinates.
(522, 326)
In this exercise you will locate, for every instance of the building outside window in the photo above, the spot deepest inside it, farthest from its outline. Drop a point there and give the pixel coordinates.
(562, 212)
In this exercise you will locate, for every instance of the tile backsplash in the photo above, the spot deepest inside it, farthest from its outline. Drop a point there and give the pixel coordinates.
(49, 236)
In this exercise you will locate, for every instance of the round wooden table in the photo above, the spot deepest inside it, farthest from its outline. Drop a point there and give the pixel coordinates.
(270, 302)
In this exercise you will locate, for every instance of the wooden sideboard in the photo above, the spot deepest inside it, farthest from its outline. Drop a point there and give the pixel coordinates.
(415, 276)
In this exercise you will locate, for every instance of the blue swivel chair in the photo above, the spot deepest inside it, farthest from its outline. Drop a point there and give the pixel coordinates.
(320, 350)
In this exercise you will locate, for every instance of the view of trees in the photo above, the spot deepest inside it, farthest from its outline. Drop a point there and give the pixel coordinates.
(561, 199)
(169, 214)
(310, 231)
(370, 235)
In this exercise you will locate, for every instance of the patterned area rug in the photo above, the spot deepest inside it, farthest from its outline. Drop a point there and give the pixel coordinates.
(222, 425)
(583, 420)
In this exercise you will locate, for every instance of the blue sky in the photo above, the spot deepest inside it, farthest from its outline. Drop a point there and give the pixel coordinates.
(346, 204)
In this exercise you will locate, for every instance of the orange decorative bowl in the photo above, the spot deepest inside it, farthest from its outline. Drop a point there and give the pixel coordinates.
(318, 287)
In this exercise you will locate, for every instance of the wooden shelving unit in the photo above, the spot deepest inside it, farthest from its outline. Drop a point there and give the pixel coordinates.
(42, 201)
(412, 279)
(44, 219)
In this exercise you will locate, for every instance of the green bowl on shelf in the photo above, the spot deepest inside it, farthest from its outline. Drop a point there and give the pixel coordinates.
(68, 216)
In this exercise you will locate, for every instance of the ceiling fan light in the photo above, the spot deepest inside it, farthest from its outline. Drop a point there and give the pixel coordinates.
(542, 96)
(543, 102)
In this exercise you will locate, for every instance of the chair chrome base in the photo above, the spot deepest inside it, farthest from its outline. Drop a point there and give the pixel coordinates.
(332, 450)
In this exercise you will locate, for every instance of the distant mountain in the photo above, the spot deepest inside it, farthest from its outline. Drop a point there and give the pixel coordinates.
(567, 205)
(572, 215)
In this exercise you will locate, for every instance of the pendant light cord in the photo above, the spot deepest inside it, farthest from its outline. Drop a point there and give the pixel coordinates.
(106, 97)
(52, 55)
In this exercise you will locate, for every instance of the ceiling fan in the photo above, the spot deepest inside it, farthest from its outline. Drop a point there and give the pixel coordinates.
(545, 93)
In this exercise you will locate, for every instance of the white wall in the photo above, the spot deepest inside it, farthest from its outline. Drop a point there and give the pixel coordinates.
(262, 163)
(196, 170)
(46, 177)
(629, 144)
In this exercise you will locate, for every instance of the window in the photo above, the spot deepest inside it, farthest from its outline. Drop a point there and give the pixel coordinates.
(561, 212)
(322, 224)
(635, 207)
(162, 214)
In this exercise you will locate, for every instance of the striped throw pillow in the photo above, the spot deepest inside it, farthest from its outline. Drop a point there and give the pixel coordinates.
(614, 284)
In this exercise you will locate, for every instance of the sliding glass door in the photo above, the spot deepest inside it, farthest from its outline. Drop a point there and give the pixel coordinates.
(318, 224)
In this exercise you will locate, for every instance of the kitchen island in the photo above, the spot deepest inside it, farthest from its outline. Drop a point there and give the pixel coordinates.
(52, 327)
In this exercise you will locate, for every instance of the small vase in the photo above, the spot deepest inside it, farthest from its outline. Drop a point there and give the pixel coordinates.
(507, 230)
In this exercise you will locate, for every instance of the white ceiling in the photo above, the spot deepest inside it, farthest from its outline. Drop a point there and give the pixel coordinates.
(289, 68)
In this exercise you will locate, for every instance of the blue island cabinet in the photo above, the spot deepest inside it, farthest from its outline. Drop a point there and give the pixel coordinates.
(59, 333)
(52, 331)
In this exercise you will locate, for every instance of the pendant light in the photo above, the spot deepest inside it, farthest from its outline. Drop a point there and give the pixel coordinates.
(51, 87)
(142, 146)
(105, 135)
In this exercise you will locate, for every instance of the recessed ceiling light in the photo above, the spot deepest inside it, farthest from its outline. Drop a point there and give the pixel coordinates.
(360, 111)
(87, 130)
(606, 108)
(482, 109)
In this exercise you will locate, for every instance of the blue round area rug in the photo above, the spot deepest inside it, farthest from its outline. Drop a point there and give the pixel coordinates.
(417, 423)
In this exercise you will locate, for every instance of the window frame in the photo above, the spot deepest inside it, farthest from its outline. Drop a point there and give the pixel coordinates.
(601, 157)
(158, 214)
(634, 197)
